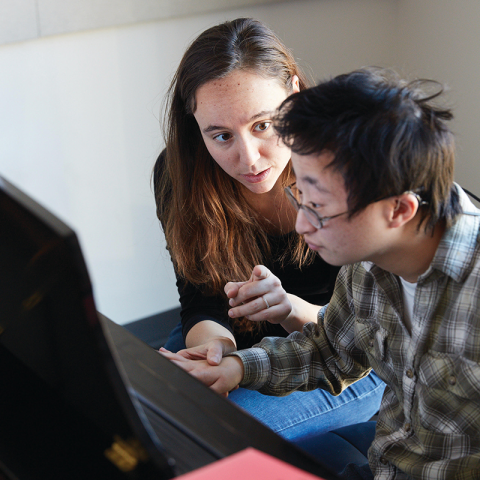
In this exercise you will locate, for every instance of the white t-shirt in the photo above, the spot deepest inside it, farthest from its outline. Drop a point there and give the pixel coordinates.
(408, 293)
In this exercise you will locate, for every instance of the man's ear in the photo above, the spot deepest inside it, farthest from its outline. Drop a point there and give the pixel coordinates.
(402, 209)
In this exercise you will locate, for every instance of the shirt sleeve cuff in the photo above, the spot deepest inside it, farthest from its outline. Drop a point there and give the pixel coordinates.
(321, 314)
(256, 366)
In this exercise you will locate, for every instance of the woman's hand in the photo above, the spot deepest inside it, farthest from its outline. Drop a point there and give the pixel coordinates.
(212, 351)
(262, 298)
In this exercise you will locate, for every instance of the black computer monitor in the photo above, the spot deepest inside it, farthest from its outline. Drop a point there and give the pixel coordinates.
(65, 411)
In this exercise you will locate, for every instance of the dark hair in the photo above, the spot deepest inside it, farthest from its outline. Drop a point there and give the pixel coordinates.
(386, 134)
(212, 233)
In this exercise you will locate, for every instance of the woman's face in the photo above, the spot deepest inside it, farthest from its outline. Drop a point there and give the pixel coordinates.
(235, 117)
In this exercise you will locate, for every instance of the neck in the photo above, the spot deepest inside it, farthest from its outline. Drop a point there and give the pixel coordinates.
(414, 251)
(275, 211)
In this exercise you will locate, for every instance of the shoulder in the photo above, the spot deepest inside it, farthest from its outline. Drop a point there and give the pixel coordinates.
(359, 282)
(356, 272)
(459, 249)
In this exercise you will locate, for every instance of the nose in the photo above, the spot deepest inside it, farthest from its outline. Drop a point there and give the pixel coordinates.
(302, 225)
(249, 151)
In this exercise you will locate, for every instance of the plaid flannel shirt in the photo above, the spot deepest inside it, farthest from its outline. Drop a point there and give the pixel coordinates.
(429, 420)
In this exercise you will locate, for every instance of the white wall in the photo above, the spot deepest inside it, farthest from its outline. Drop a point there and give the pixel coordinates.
(28, 19)
(440, 39)
(79, 125)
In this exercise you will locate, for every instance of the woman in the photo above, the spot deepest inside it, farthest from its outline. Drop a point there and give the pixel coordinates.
(219, 193)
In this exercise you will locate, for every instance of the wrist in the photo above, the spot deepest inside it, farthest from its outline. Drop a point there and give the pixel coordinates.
(292, 322)
(236, 369)
(301, 313)
(292, 325)
(228, 345)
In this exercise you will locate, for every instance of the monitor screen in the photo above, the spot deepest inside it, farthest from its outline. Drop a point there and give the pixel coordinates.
(65, 406)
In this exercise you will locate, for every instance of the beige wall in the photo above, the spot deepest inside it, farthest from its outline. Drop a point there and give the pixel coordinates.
(440, 39)
(79, 126)
(27, 19)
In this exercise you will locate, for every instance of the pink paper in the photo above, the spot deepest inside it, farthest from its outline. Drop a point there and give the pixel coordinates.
(248, 464)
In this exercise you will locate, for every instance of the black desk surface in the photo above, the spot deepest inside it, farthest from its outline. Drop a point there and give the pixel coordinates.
(174, 400)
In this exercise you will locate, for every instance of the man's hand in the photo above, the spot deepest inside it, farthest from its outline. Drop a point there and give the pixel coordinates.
(221, 378)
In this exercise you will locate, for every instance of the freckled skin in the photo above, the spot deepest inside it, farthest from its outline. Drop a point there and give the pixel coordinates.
(244, 145)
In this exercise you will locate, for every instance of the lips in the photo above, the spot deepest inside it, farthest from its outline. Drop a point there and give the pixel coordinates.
(256, 178)
(312, 246)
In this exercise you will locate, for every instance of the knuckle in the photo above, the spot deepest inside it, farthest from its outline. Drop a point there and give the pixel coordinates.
(276, 281)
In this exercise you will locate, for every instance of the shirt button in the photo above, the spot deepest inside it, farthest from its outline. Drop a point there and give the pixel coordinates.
(452, 380)
(407, 427)
(409, 373)
(371, 343)
(383, 460)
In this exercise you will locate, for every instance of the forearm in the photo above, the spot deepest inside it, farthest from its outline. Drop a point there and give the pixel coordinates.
(278, 366)
(208, 330)
(324, 355)
(302, 313)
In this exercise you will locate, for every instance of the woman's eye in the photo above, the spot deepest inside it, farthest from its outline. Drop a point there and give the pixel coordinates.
(261, 127)
(222, 137)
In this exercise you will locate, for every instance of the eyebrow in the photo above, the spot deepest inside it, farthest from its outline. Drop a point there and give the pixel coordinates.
(212, 128)
(314, 182)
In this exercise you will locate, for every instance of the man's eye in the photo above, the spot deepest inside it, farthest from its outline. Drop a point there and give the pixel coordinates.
(261, 127)
(299, 195)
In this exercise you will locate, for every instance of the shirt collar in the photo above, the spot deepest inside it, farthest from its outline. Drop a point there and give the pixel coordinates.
(455, 252)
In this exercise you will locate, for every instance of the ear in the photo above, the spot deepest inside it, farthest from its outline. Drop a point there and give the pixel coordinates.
(402, 209)
(295, 84)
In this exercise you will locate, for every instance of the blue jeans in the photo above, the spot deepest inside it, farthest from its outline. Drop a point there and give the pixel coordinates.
(343, 451)
(304, 414)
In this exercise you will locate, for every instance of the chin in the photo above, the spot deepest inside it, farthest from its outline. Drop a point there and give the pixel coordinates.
(259, 188)
(330, 260)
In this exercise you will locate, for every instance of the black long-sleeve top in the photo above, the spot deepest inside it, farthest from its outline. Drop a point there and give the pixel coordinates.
(314, 283)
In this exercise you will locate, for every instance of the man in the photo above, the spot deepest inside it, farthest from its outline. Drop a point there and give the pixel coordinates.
(374, 164)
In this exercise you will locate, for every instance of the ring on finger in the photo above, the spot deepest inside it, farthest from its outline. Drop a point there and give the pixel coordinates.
(266, 303)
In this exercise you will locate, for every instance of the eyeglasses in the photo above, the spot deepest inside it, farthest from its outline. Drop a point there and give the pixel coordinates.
(315, 219)
(311, 215)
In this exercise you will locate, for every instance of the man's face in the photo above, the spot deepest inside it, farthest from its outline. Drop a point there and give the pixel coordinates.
(342, 240)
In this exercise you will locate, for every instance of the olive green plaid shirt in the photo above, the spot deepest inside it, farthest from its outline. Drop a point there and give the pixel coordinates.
(429, 421)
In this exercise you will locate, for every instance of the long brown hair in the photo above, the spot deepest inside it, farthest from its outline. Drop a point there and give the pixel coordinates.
(213, 235)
